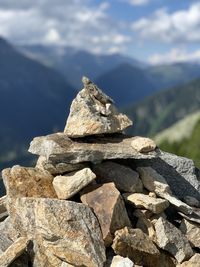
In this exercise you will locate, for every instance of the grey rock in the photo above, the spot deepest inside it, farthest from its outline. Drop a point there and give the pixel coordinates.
(92, 112)
(192, 201)
(172, 240)
(180, 173)
(58, 147)
(119, 261)
(191, 231)
(56, 168)
(68, 185)
(64, 229)
(125, 178)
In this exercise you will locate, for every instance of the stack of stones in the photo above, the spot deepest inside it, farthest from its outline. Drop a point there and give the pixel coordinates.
(98, 197)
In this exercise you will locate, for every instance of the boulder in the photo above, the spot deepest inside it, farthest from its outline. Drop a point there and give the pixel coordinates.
(59, 148)
(68, 185)
(14, 251)
(108, 205)
(28, 182)
(56, 168)
(64, 229)
(137, 246)
(125, 179)
(92, 112)
(191, 231)
(171, 239)
(156, 205)
(143, 144)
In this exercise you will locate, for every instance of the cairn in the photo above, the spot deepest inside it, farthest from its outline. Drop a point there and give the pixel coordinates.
(98, 197)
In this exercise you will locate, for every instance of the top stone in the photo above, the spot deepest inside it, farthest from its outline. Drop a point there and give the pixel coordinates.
(93, 112)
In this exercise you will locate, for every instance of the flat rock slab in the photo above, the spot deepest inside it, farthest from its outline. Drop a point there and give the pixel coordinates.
(92, 112)
(108, 205)
(156, 205)
(191, 231)
(65, 229)
(68, 185)
(180, 173)
(28, 182)
(125, 179)
(58, 147)
(14, 251)
(137, 246)
(172, 240)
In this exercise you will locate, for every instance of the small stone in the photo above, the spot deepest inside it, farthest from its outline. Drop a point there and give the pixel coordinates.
(192, 201)
(156, 205)
(193, 262)
(191, 231)
(125, 179)
(172, 240)
(108, 205)
(119, 261)
(92, 112)
(28, 182)
(137, 246)
(152, 194)
(68, 185)
(56, 168)
(143, 144)
(14, 251)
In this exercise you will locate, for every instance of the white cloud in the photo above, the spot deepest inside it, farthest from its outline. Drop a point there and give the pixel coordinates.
(174, 56)
(179, 26)
(77, 23)
(137, 2)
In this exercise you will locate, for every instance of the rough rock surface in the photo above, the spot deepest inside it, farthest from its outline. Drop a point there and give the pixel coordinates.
(180, 173)
(58, 147)
(119, 261)
(191, 231)
(56, 168)
(143, 144)
(172, 240)
(108, 205)
(192, 201)
(156, 205)
(125, 179)
(65, 229)
(193, 262)
(28, 182)
(137, 246)
(14, 251)
(92, 112)
(68, 185)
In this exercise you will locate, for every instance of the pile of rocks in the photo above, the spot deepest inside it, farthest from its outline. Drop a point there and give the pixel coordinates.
(100, 198)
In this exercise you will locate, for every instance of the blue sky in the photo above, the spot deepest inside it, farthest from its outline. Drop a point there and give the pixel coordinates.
(155, 31)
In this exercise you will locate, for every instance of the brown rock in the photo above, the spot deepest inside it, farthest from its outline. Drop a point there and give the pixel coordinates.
(107, 203)
(137, 246)
(92, 112)
(143, 144)
(65, 229)
(193, 262)
(191, 231)
(59, 148)
(68, 185)
(156, 205)
(14, 251)
(28, 182)
(172, 240)
(125, 178)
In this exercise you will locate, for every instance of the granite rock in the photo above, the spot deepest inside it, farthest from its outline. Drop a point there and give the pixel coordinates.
(92, 112)
(108, 205)
(69, 184)
(191, 231)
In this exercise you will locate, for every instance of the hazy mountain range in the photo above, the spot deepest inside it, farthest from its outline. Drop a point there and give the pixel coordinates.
(38, 83)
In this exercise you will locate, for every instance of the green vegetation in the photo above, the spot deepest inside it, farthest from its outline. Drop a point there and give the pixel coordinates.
(187, 147)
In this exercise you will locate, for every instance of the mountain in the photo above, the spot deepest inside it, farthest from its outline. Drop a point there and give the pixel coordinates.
(170, 75)
(182, 138)
(126, 84)
(159, 111)
(34, 100)
(74, 63)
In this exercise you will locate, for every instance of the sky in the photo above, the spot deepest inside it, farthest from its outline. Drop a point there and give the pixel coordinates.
(153, 31)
